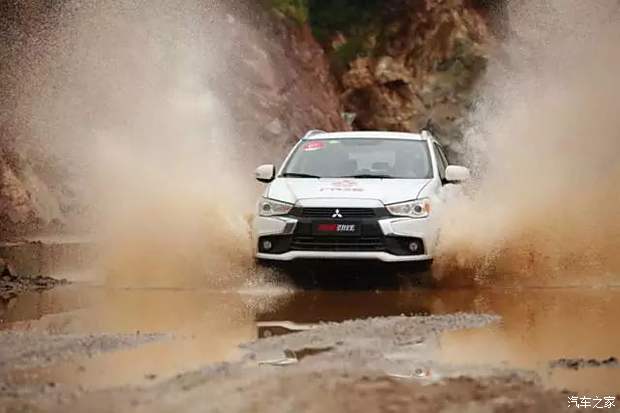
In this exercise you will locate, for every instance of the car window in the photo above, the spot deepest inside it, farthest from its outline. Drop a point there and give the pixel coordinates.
(442, 161)
(361, 157)
(443, 155)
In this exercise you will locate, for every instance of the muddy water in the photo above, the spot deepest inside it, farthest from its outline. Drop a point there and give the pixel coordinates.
(538, 326)
(204, 327)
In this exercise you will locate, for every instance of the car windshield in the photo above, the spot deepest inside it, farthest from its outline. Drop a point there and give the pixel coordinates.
(360, 158)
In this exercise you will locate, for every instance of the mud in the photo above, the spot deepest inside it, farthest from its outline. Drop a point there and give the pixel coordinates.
(82, 347)
(24, 350)
(11, 285)
(56, 256)
(577, 364)
(378, 335)
(365, 368)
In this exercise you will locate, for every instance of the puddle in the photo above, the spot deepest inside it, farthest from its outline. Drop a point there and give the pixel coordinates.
(538, 326)
(292, 356)
(62, 257)
(206, 327)
(542, 326)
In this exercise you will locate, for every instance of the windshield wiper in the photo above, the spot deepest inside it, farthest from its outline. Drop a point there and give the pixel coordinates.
(369, 176)
(297, 175)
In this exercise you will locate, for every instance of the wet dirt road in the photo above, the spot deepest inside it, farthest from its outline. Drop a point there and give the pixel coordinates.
(77, 343)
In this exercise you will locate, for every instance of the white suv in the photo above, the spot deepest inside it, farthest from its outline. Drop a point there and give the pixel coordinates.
(354, 195)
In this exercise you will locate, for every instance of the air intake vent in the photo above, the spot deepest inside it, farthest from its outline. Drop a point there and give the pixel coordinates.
(304, 243)
(342, 212)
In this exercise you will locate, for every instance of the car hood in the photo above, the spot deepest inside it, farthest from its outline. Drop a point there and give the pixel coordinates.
(387, 191)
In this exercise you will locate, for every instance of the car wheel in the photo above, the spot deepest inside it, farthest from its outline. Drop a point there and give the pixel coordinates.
(423, 266)
(419, 274)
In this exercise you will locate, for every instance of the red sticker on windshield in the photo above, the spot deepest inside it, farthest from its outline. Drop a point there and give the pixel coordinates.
(314, 146)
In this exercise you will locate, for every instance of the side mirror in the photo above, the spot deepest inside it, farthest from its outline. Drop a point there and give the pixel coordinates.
(455, 173)
(266, 173)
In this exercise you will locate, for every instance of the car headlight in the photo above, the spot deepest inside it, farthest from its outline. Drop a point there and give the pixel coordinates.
(268, 208)
(420, 208)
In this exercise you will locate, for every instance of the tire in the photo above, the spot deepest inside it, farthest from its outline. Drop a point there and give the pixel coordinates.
(424, 266)
(418, 275)
(262, 263)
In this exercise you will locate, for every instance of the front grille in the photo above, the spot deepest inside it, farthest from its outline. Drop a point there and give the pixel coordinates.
(345, 212)
(342, 243)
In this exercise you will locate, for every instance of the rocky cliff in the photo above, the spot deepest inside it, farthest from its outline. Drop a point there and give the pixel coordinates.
(285, 86)
(33, 191)
(417, 67)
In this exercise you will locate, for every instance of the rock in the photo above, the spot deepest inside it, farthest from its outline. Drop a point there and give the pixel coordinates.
(360, 75)
(285, 85)
(6, 271)
(30, 196)
(424, 70)
(11, 284)
(579, 363)
(389, 70)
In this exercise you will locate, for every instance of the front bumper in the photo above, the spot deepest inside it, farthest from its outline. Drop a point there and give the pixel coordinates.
(342, 255)
(384, 238)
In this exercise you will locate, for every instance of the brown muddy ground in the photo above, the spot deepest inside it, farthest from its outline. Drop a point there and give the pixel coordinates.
(12, 285)
(373, 342)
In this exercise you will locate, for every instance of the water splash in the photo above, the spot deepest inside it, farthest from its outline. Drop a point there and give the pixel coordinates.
(130, 96)
(545, 207)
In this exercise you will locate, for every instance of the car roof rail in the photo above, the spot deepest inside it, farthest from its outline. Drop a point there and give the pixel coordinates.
(426, 134)
(429, 130)
(313, 132)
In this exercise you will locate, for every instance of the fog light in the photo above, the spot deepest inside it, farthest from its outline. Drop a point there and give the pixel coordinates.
(267, 245)
(414, 246)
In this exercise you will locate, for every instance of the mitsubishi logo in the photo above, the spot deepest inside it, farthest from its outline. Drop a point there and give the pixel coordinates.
(337, 214)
